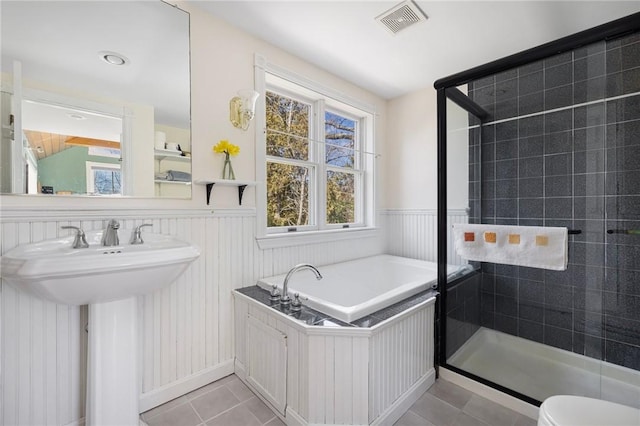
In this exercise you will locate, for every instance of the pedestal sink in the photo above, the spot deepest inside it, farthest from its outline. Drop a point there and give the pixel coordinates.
(108, 279)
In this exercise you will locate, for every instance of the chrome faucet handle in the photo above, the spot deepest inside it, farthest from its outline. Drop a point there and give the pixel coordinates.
(80, 240)
(296, 304)
(136, 235)
(274, 296)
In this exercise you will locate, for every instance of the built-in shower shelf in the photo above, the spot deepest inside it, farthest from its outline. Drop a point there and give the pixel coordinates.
(241, 184)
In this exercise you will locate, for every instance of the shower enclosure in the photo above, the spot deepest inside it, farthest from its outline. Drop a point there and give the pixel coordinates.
(547, 137)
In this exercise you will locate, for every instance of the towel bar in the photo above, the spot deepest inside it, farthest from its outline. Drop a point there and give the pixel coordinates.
(575, 231)
(624, 231)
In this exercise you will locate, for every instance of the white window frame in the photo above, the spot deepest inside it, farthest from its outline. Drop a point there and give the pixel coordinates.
(91, 184)
(272, 77)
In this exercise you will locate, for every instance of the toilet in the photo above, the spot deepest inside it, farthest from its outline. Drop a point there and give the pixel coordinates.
(570, 410)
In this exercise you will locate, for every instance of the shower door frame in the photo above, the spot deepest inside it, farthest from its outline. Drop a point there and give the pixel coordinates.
(446, 88)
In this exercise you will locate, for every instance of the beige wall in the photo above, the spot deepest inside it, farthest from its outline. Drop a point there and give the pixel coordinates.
(411, 153)
(412, 149)
(222, 64)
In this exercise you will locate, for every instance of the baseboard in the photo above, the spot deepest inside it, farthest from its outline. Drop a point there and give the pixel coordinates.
(490, 393)
(185, 385)
(294, 419)
(402, 404)
(240, 370)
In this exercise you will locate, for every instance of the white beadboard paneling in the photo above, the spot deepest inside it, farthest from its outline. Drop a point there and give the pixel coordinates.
(266, 366)
(186, 328)
(345, 375)
(400, 355)
(414, 233)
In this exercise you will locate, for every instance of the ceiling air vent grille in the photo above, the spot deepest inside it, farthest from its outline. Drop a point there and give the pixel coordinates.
(401, 16)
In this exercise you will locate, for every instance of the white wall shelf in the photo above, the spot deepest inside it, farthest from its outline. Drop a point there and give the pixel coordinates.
(241, 184)
(169, 154)
(174, 182)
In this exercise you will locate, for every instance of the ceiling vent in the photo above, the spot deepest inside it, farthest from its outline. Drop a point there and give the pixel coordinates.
(401, 16)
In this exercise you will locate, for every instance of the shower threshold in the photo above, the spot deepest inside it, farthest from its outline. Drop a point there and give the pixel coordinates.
(540, 371)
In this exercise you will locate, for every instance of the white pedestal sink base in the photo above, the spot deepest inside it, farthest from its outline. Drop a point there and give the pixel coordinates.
(112, 382)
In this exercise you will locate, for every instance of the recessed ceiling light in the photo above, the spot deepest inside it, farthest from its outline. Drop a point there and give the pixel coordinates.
(113, 58)
(76, 116)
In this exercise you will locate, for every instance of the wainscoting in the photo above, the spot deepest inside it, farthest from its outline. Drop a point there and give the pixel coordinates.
(414, 233)
(186, 328)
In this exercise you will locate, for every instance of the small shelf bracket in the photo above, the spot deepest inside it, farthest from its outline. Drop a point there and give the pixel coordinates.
(241, 189)
(209, 188)
(241, 185)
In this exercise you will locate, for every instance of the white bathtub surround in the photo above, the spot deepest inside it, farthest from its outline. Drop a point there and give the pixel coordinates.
(543, 371)
(316, 375)
(353, 289)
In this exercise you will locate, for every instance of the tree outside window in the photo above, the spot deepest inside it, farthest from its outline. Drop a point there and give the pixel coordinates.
(314, 172)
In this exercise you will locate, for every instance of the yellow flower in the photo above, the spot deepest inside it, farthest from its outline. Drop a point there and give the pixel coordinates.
(224, 147)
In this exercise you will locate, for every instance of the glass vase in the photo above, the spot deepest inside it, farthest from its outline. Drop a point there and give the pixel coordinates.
(227, 169)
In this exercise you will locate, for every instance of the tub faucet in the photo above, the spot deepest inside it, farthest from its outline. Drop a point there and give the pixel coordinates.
(110, 235)
(285, 300)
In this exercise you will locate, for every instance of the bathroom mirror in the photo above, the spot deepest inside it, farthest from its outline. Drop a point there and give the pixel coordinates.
(92, 94)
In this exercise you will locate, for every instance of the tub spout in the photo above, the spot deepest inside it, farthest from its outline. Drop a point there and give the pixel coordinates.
(285, 300)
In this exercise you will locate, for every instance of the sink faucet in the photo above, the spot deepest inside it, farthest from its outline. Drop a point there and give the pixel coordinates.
(110, 235)
(80, 240)
(285, 300)
(136, 235)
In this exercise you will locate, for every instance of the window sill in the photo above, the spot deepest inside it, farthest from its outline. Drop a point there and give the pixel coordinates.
(314, 237)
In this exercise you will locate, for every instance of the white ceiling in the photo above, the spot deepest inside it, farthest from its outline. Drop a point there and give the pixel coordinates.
(344, 38)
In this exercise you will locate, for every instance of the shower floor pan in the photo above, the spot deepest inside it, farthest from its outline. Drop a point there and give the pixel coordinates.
(540, 371)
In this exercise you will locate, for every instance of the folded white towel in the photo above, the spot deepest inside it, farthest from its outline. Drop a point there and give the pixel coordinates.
(534, 246)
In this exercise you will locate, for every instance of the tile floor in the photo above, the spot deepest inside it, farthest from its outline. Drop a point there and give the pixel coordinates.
(228, 402)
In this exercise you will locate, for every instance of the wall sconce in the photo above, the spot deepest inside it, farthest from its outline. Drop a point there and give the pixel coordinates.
(242, 108)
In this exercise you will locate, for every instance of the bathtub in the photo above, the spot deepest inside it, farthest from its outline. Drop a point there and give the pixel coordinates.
(354, 289)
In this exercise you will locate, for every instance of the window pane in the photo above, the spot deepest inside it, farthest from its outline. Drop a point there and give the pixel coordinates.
(287, 195)
(339, 137)
(340, 197)
(107, 181)
(287, 127)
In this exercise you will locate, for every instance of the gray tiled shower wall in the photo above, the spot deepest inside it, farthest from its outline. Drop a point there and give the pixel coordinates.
(562, 148)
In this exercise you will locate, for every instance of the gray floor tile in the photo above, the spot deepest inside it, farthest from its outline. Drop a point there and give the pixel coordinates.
(201, 391)
(275, 422)
(412, 419)
(163, 408)
(215, 402)
(453, 394)
(490, 412)
(230, 402)
(238, 416)
(182, 415)
(464, 419)
(435, 410)
(525, 421)
(259, 409)
(239, 389)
